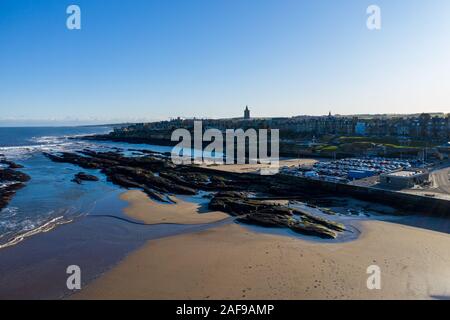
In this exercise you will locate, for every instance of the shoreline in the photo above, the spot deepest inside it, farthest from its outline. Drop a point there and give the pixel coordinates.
(235, 261)
(36, 268)
(142, 208)
(185, 245)
(214, 261)
(232, 262)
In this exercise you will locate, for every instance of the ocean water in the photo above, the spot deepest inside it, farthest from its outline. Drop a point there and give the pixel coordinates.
(50, 198)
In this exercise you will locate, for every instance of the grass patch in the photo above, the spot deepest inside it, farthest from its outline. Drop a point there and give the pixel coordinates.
(329, 148)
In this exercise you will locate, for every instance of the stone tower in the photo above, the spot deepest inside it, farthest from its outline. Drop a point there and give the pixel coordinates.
(246, 113)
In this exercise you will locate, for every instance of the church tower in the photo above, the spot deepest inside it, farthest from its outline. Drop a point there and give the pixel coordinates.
(246, 113)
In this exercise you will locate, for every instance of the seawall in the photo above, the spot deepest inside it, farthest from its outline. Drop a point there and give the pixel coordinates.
(291, 186)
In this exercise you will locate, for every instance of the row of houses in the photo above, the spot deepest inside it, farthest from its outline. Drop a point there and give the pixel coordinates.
(423, 126)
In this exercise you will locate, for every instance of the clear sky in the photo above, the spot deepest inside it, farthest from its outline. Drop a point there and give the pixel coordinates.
(155, 59)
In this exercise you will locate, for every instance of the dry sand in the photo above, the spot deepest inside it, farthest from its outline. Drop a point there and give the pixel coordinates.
(231, 262)
(253, 168)
(142, 208)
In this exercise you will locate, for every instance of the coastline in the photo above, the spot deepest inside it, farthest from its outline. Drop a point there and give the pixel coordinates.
(232, 263)
(184, 250)
(97, 242)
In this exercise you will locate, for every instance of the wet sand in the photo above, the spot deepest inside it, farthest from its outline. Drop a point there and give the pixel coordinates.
(232, 262)
(142, 208)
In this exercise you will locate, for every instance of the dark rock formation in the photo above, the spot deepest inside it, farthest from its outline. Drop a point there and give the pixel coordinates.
(308, 217)
(12, 181)
(148, 178)
(11, 164)
(313, 229)
(270, 215)
(7, 193)
(158, 178)
(10, 175)
(81, 176)
(129, 172)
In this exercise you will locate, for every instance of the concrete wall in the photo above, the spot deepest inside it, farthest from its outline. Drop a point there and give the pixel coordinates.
(290, 186)
(403, 201)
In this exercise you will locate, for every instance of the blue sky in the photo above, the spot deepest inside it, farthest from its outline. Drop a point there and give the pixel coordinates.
(155, 59)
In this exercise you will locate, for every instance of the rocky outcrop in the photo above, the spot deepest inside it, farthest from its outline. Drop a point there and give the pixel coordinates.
(10, 181)
(149, 179)
(11, 164)
(10, 175)
(158, 178)
(7, 193)
(129, 172)
(271, 215)
(81, 176)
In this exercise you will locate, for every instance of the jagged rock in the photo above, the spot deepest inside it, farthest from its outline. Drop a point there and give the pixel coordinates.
(6, 193)
(123, 181)
(237, 203)
(312, 229)
(318, 220)
(14, 181)
(273, 215)
(149, 179)
(13, 175)
(11, 164)
(266, 219)
(158, 178)
(81, 176)
(84, 162)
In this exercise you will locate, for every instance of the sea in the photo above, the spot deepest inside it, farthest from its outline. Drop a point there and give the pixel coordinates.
(88, 226)
(87, 223)
(50, 198)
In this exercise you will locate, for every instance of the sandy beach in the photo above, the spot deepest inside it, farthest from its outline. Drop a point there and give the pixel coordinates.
(253, 168)
(142, 208)
(232, 262)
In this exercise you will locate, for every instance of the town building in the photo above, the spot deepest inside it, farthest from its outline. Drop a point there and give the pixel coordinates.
(404, 179)
(418, 127)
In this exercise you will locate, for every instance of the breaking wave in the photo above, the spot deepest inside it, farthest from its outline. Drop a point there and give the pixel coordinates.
(19, 221)
(43, 144)
(50, 225)
(16, 228)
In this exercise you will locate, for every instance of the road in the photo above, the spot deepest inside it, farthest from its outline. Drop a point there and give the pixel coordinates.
(440, 184)
(440, 180)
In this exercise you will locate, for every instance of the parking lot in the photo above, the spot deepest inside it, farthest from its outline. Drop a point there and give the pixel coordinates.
(354, 169)
(360, 168)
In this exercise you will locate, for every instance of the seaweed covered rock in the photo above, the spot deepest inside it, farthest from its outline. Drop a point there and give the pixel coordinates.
(149, 179)
(10, 181)
(154, 174)
(313, 229)
(9, 175)
(11, 164)
(333, 225)
(81, 176)
(261, 213)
